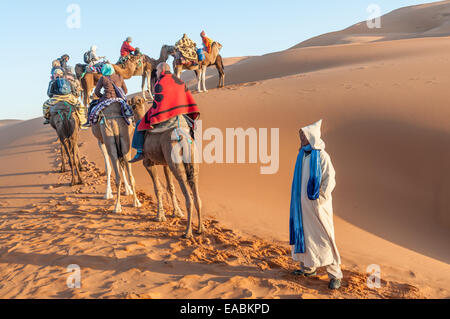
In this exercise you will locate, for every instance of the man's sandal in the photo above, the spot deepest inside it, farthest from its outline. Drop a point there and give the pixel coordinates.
(305, 274)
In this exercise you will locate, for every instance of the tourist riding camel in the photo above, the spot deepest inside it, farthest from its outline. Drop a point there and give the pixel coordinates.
(56, 65)
(63, 60)
(207, 42)
(168, 140)
(94, 62)
(62, 90)
(126, 50)
(186, 51)
(172, 101)
(209, 59)
(110, 119)
(115, 90)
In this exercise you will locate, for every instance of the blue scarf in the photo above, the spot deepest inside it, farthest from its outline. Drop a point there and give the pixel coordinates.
(295, 223)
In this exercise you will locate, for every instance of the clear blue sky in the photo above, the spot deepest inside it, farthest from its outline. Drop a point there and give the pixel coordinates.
(35, 32)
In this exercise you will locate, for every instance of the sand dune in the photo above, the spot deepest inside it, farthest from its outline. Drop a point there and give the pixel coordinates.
(420, 21)
(8, 122)
(45, 226)
(190, 78)
(387, 129)
(311, 59)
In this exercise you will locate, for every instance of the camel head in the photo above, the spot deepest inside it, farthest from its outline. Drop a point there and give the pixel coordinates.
(170, 49)
(139, 107)
(218, 45)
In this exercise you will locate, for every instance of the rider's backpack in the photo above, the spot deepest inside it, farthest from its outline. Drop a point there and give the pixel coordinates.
(62, 87)
(87, 57)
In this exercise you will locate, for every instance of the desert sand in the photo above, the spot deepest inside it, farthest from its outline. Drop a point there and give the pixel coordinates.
(387, 128)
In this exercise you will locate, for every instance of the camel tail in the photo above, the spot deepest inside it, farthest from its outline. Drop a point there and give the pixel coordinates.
(68, 125)
(120, 154)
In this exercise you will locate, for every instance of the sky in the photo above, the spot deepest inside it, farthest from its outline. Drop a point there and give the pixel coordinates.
(34, 33)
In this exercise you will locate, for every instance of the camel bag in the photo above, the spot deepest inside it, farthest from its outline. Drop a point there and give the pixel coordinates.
(201, 55)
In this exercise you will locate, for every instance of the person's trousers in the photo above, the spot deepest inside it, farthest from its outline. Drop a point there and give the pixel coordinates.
(334, 271)
(138, 138)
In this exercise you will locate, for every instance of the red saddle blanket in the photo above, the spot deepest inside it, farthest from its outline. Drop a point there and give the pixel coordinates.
(172, 98)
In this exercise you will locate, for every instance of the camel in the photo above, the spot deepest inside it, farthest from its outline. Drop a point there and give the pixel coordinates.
(140, 65)
(140, 108)
(166, 50)
(128, 70)
(213, 58)
(67, 127)
(159, 149)
(113, 135)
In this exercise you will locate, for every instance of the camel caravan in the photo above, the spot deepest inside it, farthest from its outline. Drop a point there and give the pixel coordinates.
(162, 133)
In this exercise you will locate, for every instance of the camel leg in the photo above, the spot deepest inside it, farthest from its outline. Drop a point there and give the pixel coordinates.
(80, 167)
(153, 172)
(136, 202)
(68, 149)
(179, 172)
(143, 86)
(193, 183)
(128, 189)
(199, 80)
(221, 78)
(177, 212)
(220, 68)
(116, 166)
(149, 85)
(63, 160)
(203, 73)
(125, 166)
(108, 194)
(183, 185)
(77, 162)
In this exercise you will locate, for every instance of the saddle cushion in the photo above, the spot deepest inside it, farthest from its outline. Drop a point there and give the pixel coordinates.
(172, 98)
(127, 111)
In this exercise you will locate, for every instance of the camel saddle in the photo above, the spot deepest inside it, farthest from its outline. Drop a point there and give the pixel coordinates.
(64, 106)
(181, 59)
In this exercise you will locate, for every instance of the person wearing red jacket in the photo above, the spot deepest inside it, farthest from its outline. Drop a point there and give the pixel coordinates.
(172, 100)
(127, 49)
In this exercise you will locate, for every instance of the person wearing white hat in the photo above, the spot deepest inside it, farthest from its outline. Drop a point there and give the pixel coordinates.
(93, 58)
(311, 213)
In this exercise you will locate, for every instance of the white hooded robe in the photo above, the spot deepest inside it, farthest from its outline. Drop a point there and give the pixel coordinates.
(318, 226)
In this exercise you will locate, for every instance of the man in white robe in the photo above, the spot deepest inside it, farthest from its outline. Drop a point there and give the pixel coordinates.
(317, 215)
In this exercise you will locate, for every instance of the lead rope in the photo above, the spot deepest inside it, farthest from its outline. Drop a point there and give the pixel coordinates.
(178, 135)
